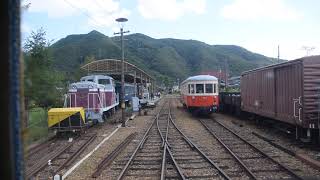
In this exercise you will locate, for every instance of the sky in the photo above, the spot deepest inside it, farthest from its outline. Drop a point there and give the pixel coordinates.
(257, 25)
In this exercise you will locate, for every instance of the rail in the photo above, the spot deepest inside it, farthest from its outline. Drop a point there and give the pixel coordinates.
(76, 154)
(230, 151)
(42, 164)
(166, 149)
(107, 160)
(143, 139)
(221, 172)
(251, 174)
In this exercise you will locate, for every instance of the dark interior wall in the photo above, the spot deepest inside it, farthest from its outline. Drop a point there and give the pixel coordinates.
(10, 136)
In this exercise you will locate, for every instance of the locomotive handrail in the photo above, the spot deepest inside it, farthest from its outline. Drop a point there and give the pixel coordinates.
(295, 101)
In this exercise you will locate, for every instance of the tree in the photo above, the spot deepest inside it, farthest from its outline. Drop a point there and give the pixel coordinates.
(88, 59)
(25, 6)
(78, 72)
(42, 82)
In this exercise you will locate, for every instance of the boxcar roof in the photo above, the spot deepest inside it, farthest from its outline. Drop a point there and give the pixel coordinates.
(287, 63)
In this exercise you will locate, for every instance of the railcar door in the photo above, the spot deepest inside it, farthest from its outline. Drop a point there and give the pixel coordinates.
(289, 93)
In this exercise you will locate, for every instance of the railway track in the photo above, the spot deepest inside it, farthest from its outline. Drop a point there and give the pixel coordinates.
(31, 152)
(165, 152)
(56, 157)
(145, 160)
(253, 162)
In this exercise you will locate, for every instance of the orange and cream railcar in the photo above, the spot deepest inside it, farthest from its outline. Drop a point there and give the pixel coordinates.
(200, 94)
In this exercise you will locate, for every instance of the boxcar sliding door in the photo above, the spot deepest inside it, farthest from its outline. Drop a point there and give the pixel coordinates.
(289, 93)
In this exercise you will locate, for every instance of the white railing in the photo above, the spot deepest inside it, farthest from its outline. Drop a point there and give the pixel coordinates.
(93, 101)
(70, 99)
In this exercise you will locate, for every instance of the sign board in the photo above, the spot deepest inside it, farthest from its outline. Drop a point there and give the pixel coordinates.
(135, 104)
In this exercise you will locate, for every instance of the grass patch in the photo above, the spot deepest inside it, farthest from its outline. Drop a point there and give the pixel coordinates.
(37, 125)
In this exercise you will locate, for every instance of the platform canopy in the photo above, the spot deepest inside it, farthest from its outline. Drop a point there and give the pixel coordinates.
(112, 67)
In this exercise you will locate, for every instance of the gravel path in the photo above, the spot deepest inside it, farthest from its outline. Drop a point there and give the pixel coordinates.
(139, 124)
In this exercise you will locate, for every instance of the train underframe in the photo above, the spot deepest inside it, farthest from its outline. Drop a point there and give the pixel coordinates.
(306, 135)
(202, 110)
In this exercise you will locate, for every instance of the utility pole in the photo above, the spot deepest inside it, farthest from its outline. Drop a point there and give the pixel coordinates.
(219, 74)
(308, 49)
(178, 83)
(225, 73)
(123, 106)
(278, 54)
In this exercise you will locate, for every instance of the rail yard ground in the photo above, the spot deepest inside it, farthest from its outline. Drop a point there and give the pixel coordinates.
(194, 153)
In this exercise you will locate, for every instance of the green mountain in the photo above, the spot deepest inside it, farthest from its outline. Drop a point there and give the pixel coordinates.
(173, 58)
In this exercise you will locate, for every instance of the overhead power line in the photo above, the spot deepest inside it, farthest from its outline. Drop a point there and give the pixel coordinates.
(83, 12)
(100, 6)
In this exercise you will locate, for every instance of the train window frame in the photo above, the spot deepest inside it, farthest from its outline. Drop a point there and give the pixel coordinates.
(192, 89)
(209, 85)
(108, 80)
(197, 92)
(90, 80)
(214, 88)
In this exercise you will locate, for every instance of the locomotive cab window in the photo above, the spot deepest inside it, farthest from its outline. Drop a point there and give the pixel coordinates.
(215, 88)
(104, 81)
(209, 88)
(199, 88)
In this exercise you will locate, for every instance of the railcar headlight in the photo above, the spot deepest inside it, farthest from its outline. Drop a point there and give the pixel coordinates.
(74, 87)
(90, 86)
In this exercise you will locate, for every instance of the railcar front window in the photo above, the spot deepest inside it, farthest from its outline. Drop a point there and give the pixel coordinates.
(209, 88)
(215, 88)
(199, 88)
(191, 88)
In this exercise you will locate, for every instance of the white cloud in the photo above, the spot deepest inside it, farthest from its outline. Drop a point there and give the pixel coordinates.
(25, 28)
(259, 9)
(289, 50)
(170, 9)
(98, 12)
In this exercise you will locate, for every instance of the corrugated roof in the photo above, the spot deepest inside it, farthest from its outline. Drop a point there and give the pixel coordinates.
(112, 66)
